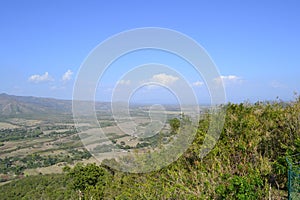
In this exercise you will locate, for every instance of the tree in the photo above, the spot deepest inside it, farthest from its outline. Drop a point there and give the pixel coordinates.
(89, 180)
(175, 125)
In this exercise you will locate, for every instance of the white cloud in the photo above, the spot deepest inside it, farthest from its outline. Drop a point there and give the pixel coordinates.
(124, 82)
(36, 78)
(152, 87)
(198, 83)
(67, 75)
(53, 87)
(277, 85)
(228, 79)
(164, 79)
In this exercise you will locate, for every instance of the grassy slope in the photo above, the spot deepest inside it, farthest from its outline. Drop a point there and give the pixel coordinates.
(38, 187)
(248, 158)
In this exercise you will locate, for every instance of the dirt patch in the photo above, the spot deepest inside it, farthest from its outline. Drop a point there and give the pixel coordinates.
(4, 125)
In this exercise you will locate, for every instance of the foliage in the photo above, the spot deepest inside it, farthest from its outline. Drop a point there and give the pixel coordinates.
(89, 180)
(248, 160)
(17, 165)
(18, 134)
(174, 124)
(38, 187)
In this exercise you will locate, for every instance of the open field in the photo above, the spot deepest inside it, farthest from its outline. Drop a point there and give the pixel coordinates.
(30, 146)
(4, 125)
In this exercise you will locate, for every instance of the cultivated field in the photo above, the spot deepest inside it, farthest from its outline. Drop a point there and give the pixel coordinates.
(30, 146)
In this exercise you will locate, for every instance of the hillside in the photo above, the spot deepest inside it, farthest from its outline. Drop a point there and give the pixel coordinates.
(18, 106)
(12, 106)
(248, 162)
(34, 107)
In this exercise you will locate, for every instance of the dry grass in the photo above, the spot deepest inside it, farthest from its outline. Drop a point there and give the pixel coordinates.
(4, 125)
(53, 169)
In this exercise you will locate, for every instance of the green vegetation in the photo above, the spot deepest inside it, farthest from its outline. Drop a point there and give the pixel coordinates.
(175, 124)
(38, 187)
(293, 176)
(17, 165)
(18, 134)
(89, 181)
(31, 148)
(248, 162)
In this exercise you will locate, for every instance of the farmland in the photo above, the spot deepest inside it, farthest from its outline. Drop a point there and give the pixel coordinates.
(44, 144)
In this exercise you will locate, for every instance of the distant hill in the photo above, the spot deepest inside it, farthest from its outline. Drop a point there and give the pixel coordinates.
(14, 106)
(29, 106)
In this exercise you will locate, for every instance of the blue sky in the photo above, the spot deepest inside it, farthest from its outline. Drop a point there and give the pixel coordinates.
(255, 44)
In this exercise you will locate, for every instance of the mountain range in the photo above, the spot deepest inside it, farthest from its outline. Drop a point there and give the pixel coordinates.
(14, 106)
(29, 106)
